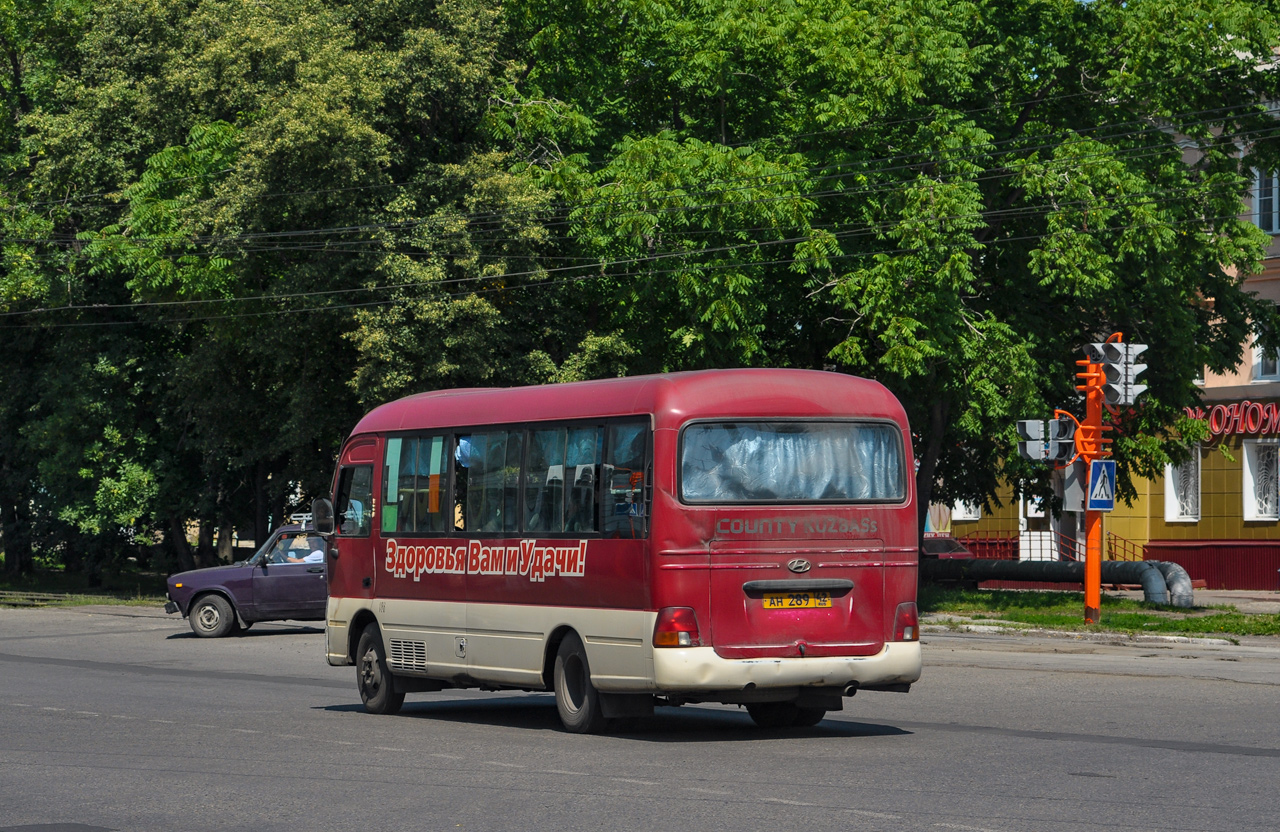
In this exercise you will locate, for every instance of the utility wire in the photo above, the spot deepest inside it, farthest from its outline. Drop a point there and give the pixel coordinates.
(548, 283)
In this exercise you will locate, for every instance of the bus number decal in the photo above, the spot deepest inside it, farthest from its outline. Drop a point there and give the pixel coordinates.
(475, 558)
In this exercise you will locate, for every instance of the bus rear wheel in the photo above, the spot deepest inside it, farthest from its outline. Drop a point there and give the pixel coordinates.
(377, 685)
(806, 717)
(773, 714)
(576, 698)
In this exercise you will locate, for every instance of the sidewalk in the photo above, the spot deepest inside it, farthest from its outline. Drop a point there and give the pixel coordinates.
(1252, 601)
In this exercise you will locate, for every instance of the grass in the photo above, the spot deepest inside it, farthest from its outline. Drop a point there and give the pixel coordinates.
(1064, 611)
(131, 588)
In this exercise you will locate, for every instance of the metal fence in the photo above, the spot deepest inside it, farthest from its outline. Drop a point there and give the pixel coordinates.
(1045, 545)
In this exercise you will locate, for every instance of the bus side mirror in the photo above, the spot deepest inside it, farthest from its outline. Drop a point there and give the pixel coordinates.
(322, 516)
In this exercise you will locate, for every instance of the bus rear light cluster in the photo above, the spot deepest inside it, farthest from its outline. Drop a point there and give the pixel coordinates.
(906, 623)
(676, 627)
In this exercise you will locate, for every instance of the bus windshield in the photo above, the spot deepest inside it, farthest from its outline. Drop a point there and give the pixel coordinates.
(791, 462)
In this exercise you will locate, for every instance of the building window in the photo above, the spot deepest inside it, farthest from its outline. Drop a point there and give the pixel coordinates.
(1261, 484)
(1182, 490)
(966, 512)
(1266, 203)
(1266, 364)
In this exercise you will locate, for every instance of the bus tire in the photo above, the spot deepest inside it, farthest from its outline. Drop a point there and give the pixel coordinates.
(773, 714)
(806, 717)
(576, 698)
(376, 684)
(211, 616)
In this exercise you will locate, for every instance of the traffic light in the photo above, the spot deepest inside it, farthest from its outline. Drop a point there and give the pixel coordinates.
(1031, 443)
(1119, 372)
(1060, 445)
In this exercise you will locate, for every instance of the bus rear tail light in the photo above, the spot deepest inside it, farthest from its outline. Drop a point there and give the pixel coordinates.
(906, 624)
(676, 627)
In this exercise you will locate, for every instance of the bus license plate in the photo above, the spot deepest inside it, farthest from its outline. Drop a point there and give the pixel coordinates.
(796, 600)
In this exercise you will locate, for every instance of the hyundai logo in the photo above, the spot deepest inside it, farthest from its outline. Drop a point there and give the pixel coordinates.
(799, 565)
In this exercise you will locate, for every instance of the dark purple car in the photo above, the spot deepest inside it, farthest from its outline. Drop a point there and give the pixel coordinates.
(283, 580)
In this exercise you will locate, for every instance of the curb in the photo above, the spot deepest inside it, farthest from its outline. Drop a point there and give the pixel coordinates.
(1113, 637)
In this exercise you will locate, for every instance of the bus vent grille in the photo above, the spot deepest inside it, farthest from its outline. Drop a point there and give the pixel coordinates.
(407, 655)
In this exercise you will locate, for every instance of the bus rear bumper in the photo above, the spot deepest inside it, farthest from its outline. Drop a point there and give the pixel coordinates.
(698, 670)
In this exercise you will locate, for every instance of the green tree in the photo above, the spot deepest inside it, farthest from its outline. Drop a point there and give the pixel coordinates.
(953, 195)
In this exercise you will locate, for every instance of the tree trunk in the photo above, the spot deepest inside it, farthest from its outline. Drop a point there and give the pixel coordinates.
(261, 523)
(15, 537)
(226, 552)
(204, 545)
(931, 438)
(178, 540)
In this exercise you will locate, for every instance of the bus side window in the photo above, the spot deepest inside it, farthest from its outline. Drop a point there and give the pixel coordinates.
(413, 485)
(485, 488)
(355, 497)
(582, 473)
(544, 481)
(430, 511)
(624, 509)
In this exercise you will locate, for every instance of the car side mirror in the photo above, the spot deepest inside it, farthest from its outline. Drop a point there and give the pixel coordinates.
(322, 516)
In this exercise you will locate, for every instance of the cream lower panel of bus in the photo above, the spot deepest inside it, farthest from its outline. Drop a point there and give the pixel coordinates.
(413, 641)
(506, 643)
(700, 669)
(500, 643)
(338, 615)
(438, 626)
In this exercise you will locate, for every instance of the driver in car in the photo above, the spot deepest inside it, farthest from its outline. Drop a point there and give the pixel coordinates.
(305, 549)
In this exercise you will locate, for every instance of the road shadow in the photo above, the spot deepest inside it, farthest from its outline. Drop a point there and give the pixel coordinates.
(259, 631)
(689, 723)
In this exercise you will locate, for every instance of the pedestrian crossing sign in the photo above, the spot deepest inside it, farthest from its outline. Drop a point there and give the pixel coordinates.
(1102, 485)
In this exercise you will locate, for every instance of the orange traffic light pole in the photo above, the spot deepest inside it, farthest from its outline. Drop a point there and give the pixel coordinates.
(1091, 444)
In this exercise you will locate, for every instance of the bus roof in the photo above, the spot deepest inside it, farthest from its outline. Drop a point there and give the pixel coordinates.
(672, 398)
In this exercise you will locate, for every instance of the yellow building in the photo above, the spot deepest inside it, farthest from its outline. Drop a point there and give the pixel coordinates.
(1219, 514)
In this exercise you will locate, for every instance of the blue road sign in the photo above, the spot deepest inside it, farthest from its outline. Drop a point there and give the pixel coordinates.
(1102, 485)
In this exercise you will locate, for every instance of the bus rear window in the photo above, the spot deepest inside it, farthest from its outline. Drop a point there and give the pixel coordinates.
(792, 462)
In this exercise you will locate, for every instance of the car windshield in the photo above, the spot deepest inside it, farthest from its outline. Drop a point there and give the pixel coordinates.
(791, 462)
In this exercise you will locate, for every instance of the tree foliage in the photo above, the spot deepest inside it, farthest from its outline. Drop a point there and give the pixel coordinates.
(230, 227)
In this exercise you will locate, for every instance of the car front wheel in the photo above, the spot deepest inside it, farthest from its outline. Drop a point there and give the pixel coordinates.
(212, 616)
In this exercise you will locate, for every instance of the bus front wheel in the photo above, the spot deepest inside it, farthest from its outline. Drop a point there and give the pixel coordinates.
(377, 686)
(576, 698)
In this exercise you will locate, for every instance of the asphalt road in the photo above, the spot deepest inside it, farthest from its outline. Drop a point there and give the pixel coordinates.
(118, 718)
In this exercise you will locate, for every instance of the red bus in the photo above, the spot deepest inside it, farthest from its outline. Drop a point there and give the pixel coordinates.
(735, 536)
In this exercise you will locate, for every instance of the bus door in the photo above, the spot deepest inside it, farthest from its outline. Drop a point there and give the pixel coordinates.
(420, 572)
(350, 563)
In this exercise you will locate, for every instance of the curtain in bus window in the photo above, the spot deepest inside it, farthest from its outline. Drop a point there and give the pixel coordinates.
(430, 511)
(511, 482)
(582, 473)
(783, 462)
(544, 481)
(624, 467)
(392, 483)
(484, 468)
(407, 484)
